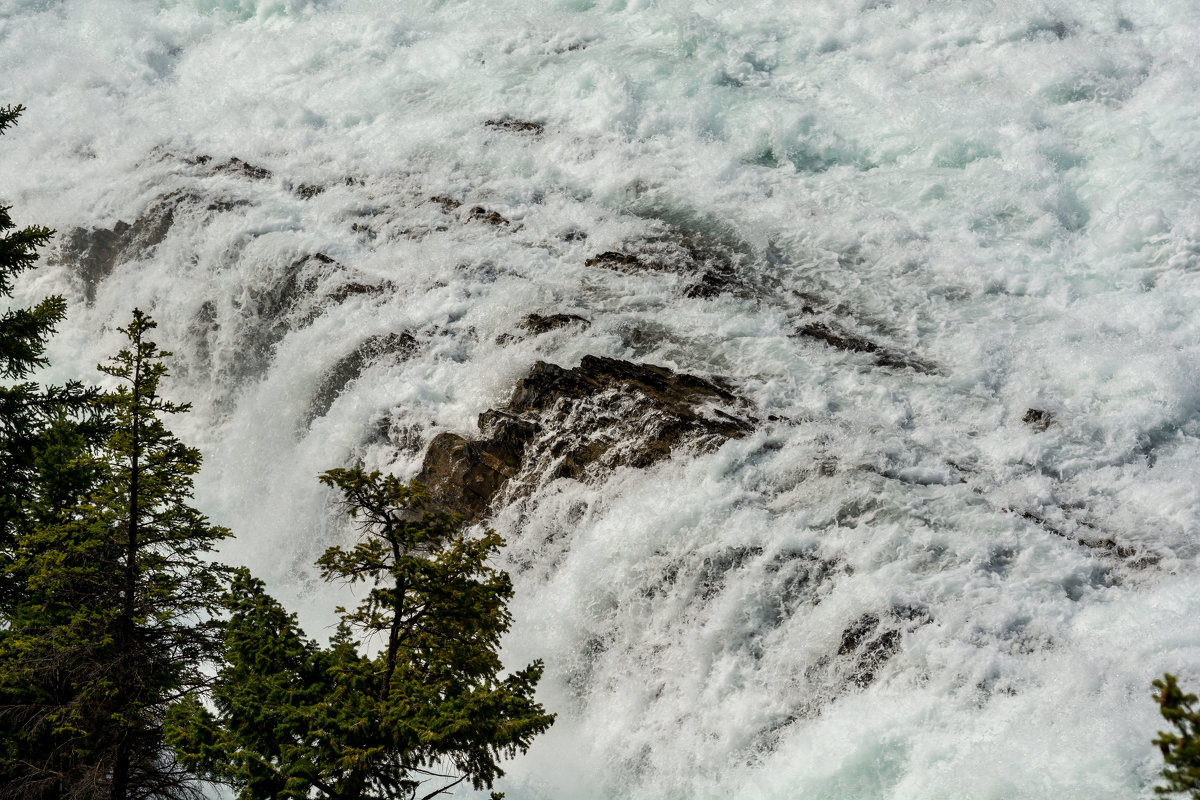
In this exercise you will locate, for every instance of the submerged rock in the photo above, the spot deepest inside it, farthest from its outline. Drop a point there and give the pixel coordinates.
(400, 346)
(580, 423)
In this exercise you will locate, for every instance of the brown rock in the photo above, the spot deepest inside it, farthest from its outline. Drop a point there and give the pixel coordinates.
(580, 423)
(490, 217)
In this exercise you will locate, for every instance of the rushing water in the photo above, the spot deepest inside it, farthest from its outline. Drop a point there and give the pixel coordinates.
(1006, 193)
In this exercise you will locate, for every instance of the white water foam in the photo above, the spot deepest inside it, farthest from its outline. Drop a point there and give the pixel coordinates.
(1008, 191)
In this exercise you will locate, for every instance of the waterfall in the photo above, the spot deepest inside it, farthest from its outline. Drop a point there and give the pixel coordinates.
(930, 530)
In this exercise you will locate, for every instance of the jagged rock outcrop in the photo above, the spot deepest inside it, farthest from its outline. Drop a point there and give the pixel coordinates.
(711, 267)
(538, 324)
(94, 253)
(580, 423)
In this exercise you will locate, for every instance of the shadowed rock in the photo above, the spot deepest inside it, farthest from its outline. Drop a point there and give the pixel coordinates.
(516, 126)
(94, 253)
(401, 346)
(709, 266)
(579, 423)
(483, 215)
(1038, 419)
(842, 339)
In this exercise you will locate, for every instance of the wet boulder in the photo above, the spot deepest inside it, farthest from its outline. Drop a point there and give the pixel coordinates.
(580, 423)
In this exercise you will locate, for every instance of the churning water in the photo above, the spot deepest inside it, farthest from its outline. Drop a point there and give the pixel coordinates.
(959, 268)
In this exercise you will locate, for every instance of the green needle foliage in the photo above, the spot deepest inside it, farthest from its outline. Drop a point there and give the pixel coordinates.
(425, 713)
(116, 617)
(1181, 748)
(43, 429)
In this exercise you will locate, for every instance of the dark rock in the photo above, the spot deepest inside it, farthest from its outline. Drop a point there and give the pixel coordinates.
(574, 235)
(842, 339)
(1038, 419)
(350, 366)
(611, 259)
(490, 217)
(348, 290)
(538, 324)
(710, 266)
(516, 126)
(95, 253)
(365, 231)
(448, 204)
(307, 191)
(1073, 528)
(226, 205)
(580, 423)
(869, 643)
(713, 282)
(235, 166)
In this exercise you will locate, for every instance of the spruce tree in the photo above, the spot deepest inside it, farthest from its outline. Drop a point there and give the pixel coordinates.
(47, 436)
(37, 423)
(117, 615)
(427, 712)
(1180, 749)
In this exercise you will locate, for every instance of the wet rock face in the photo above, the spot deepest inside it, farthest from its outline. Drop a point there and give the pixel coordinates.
(399, 346)
(842, 339)
(539, 324)
(870, 642)
(95, 252)
(711, 267)
(580, 423)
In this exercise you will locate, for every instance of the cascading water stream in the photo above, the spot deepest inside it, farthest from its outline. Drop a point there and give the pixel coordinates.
(942, 258)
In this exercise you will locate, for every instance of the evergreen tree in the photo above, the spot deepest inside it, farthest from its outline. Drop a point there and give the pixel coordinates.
(116, 618)
(42, 429)
(1181, 750)
(426, 713)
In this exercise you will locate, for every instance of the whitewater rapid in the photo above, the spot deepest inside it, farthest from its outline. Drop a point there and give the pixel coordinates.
(1008, 194)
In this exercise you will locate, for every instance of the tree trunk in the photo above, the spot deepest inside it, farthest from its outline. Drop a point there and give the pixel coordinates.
(120, 780)
(394, 632)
